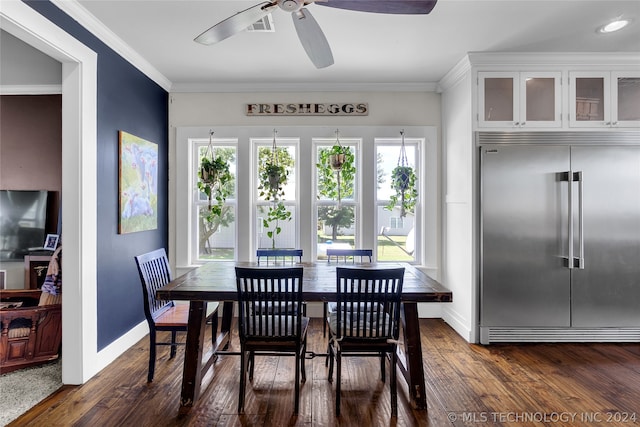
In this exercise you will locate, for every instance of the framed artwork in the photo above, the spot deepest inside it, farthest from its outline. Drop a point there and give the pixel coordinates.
(137, 184)
(51, 242)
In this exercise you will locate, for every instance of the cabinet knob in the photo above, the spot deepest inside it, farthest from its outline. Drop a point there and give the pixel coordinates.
(516, 124)
(614, 123)
(523, 123)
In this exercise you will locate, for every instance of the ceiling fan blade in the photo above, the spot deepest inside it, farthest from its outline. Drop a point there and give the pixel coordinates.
(403, 7)
(236, 23)
(312, 38)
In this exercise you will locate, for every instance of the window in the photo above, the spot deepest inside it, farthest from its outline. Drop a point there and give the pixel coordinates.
(336, 197)
(216, 235)
(397, 229)
(275, 200)
(396, 222)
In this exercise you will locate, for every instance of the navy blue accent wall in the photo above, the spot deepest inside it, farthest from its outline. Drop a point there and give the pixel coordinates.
(128, 101)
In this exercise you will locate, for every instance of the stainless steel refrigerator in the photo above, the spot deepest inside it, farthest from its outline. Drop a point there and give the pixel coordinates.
(559, 236)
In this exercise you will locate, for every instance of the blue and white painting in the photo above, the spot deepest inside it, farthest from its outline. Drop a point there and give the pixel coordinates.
(138, 184)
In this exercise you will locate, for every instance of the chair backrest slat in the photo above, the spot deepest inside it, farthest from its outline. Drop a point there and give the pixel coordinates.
(356, 256)
(155, 272)
(368, 303)
(275, 256)
(270, 302)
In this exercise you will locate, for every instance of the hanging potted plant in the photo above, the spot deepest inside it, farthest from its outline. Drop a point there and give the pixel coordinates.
(273, 175)
(336, 171)
(403, 183)
(213, 177)
(273, 178)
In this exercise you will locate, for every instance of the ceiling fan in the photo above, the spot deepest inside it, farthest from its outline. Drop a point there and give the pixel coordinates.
(309, 32)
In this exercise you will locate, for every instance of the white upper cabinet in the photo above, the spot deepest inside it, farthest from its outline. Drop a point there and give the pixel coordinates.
(604, 99)
(519, 99)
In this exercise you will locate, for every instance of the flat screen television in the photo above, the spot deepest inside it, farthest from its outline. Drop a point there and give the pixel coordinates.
(23, 222)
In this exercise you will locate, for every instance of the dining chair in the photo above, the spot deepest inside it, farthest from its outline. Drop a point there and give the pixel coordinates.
(366, 322)
(162, 315)
(279, 256)
(344, 256)
(282, 331)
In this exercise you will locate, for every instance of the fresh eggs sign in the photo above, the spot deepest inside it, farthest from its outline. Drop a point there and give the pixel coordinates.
(308, 109)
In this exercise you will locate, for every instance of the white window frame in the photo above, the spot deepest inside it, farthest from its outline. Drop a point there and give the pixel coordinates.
(256, 143)
(418, 144)
(195, 145)
(356, 202)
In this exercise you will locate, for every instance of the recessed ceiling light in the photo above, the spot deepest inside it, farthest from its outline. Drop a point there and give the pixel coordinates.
(614, 26)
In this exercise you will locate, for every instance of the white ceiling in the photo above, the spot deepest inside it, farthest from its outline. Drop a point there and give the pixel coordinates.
(368, 48)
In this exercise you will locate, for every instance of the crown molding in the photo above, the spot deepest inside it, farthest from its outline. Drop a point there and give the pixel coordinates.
(454, 75)
(31, 90)
(302, 87)
(76, 11)
(543, 59)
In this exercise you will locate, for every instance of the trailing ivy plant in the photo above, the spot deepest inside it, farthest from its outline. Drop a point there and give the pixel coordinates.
(273, 178)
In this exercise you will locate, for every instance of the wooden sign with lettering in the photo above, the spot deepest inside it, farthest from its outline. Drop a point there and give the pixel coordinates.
(309, 109)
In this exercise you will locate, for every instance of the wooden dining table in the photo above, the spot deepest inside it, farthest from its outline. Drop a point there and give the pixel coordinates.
(215, 281)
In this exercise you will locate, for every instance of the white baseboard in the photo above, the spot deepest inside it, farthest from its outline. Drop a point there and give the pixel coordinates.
(119, 346)
(458, 324)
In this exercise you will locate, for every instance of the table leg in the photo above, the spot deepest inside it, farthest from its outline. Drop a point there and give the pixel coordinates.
(192, 373)
(225, 326)
(413, 371)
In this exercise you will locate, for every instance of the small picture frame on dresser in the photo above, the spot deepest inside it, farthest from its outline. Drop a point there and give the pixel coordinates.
(35, 270)
(51, 242)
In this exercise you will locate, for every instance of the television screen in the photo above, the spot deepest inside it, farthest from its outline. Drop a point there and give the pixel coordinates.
(23, 216)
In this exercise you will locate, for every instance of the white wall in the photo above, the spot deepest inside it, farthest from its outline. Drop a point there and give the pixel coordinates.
(458, 266)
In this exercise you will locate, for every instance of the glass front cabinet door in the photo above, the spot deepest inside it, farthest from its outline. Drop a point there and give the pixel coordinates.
(519, 99)
(604, 99)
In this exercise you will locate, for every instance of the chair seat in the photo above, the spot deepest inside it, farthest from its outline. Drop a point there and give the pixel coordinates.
(178, 315)
(264, 327)
(276, 308)
(333, 306)
(361, 327)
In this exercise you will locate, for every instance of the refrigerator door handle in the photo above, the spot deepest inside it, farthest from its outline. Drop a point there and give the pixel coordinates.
(570, 263)
(580, 260)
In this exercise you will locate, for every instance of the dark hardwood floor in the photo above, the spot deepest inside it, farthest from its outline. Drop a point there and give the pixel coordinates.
(467, 385)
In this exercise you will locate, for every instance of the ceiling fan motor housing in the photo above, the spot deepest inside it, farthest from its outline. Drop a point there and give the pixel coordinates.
(290, 5)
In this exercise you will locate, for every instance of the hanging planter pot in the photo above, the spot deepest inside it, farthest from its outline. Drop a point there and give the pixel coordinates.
(337, 160)
(276, 176)
(401, 177)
